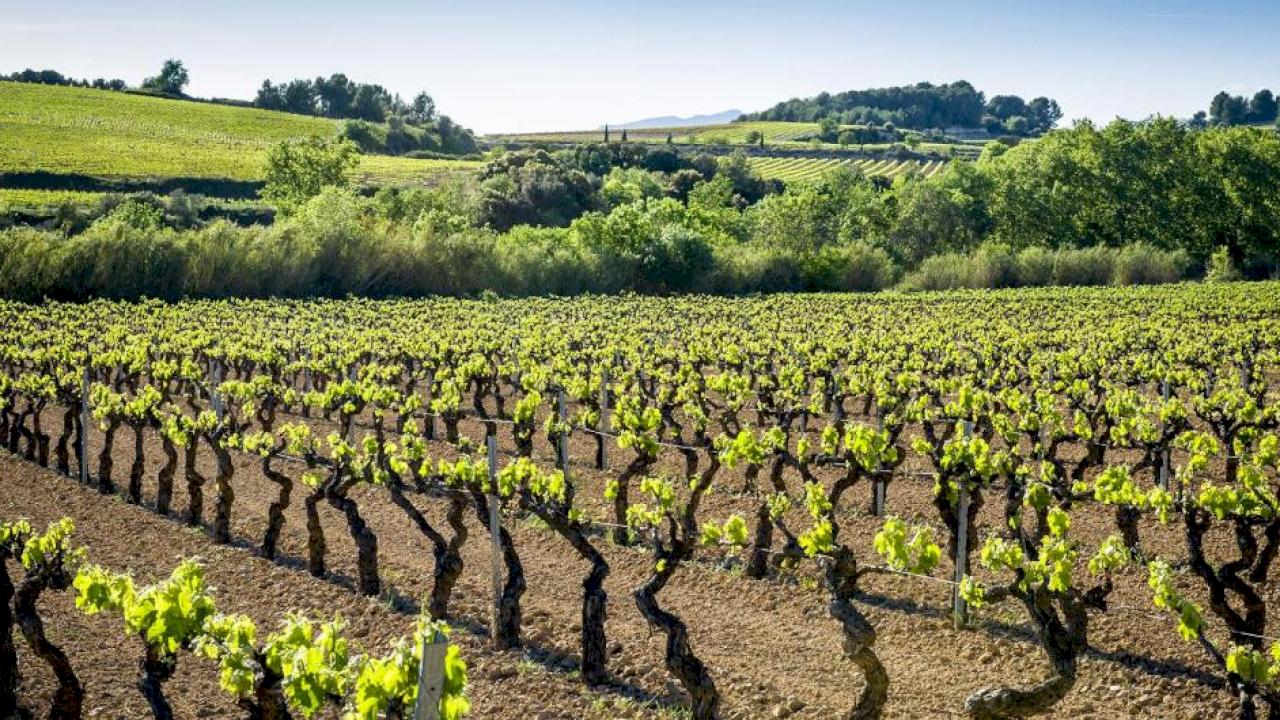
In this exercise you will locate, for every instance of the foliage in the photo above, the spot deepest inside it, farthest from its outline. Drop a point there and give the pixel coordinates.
(171, 80)
(298, 170)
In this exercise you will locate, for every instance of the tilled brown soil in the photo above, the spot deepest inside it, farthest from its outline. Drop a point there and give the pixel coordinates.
(770, 645)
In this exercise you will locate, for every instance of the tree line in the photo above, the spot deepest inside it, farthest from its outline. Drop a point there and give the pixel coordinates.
(921, 106)
(410, 127)
(53, 77)
(1228, 109)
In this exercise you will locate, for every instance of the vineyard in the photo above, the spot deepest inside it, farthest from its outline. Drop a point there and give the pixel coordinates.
(103, 134)
(807, 169)
(979, 505)
(775, 133)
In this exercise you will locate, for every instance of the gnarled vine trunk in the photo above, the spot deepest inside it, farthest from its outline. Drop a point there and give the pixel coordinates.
(195, 484)
(507, 632)
(61, 452)
(154, 670)
(315, 533)
(363, 536)
(68, 698)
(275, 513)
(859, 636)
(1062, 639)
(133, 494)
(8, 652)
(105, 463)
(164, 478)
(226, 493)
(704, 699)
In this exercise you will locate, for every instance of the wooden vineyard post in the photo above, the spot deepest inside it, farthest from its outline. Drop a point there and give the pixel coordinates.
(308, 382)
(877, 482)
(495, 534)
(562, 444)
(351, 425)
(960, 609)
(604, 416)
(431, 396)
(1044, 441)
(431, 676)
(1164, 448)
(85, 418)
(215, 399)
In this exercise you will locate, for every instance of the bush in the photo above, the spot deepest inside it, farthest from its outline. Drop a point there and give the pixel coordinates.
(857, 267)
(1034, 267)
(541, 261)
(993, 265)
(940, 272)
(1143, 264)
(33, 264)
(298, 170)
(741, 269)
(113, 259)
(1220, 268)
(1085, 266)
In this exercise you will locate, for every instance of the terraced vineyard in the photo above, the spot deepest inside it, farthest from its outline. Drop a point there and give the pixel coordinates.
(98, 133)
(806, 169)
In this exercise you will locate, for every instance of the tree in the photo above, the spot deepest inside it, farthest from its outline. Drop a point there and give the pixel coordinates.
(297, 170)
(1227, 109)
(422, 110)
(828, 129)
(1017, 125)
(1264, 107)
(755, 137)
(270, 97)
(1006, 106)
(335, 95)
(299, 96)
(172, 79)
(1043, 113)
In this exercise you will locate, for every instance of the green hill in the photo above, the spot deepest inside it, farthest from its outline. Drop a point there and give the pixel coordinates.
(102, 134)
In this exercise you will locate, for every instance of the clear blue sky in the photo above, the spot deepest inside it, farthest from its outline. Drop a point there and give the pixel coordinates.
(569, 64)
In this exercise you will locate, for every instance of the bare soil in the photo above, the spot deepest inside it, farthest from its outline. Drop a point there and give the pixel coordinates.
(770, 645)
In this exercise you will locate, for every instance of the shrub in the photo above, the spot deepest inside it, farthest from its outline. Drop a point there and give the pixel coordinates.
(1084, 266)
(750, 268)
(114, 259)
(32, 263)
(1143, 264)
(993, 265)
(1034, 267)
(298, 170)
(857, 266)
(940, 272)
(1220, 268)
(541, 261)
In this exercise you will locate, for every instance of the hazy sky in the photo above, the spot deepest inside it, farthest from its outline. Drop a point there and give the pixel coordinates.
(571, 64)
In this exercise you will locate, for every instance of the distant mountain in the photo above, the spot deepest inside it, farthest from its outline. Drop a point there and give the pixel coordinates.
(671, 121)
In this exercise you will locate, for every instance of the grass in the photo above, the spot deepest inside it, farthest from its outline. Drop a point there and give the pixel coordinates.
(12, 198)
(20, 198)
(801, 169)
(99, 133)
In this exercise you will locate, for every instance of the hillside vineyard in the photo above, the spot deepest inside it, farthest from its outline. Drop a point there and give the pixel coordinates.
(1042, 452)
